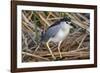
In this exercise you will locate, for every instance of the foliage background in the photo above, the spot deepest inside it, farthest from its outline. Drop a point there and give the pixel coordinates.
(35, 22)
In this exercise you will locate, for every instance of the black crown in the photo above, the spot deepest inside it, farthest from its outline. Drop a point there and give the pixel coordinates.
(66, 19)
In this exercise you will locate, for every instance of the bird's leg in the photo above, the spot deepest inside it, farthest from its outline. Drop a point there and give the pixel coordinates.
(59, 49)
(50, 50)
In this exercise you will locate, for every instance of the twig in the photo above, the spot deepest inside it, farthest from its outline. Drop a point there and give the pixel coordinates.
(37, 48)
(77, 22)
(48, 15)
(33, 55)
(29, 17)
(83, 17)
(77, 18)
(28, 22)
(77, 51)
(44, 19)
(25, 24)
(54, 18)
(70, 54)
(81, 41)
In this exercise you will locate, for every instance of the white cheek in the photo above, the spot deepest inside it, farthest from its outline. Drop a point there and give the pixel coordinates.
(66, 26)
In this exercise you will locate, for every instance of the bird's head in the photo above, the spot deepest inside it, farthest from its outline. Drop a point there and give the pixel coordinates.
(67, 21)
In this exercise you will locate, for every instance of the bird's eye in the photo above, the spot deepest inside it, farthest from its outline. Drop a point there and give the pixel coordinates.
(68, 22)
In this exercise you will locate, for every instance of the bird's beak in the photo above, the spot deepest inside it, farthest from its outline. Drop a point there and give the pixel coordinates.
(69, 22)
(70, 26)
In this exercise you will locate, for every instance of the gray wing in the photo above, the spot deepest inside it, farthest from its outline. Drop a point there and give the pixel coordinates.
(51, 32)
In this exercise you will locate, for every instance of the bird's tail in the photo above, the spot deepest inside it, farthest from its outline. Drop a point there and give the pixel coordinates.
(41, 41)
(42, 36)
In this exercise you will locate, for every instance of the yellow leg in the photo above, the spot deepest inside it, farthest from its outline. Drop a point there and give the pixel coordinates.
(59, 49)
(50, 50)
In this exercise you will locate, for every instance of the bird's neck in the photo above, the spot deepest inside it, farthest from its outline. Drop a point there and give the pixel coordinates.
(66, 26)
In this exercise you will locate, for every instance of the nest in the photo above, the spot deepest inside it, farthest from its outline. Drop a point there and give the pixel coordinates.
(76, 46)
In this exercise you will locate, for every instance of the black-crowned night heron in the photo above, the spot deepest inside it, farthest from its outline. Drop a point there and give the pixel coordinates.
(57, 32)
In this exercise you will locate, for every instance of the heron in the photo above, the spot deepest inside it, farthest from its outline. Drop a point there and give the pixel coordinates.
(57, 33)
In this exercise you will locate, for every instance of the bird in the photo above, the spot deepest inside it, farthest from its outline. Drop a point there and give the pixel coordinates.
(57, 33)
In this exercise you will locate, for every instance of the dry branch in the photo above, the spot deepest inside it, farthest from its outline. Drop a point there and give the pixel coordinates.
(75, 46)
(44, 19)
(73, 53)
(36, 56)
(86, 19)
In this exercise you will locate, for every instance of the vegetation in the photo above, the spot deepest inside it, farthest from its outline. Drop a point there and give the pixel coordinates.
(75, 47)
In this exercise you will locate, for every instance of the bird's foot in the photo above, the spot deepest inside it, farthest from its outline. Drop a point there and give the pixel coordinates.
(54, 58)
(60, 56)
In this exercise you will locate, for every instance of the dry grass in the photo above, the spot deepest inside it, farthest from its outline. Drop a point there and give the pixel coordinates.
(75, 46)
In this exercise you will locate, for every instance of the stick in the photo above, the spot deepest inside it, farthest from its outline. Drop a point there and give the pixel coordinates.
(40, 15)
(83, 17)
(33, 55)
(81, 41)
(73, 52)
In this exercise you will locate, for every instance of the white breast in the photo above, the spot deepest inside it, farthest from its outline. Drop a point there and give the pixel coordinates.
(61, 35)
